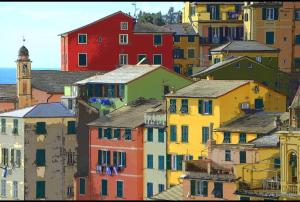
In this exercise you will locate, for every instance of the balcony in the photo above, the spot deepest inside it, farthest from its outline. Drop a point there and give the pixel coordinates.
(224, 16)
(290, 189)
(157, 119)
(232, 16)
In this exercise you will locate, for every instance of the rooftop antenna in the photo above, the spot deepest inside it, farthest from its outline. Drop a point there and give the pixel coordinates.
(23, 40)
(135, 9)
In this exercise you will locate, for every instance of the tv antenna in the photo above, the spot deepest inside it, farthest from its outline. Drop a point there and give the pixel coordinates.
(23, 40)
(135, 9)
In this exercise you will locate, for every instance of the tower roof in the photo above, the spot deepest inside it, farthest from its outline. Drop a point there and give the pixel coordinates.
(23, 51)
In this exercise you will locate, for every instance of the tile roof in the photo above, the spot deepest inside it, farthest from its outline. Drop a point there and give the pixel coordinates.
(53, 81)
(259, 122)
(271, 140)
(124, 74)
(142, 27)
(130, 116)
(8, 92)
(208, 88)
(181, 29)
(43, 110)
(248, 46)
(174, 193)
(218, 65)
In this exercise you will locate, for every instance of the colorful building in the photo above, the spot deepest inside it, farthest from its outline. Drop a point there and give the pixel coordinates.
(113, 41)
(263, 54)
(186, 48)
(155, 141)
(246, 68)
(215, 22)
(36, 86)
(116, 155)
(276, 24)
(38, 153)
(192, 108)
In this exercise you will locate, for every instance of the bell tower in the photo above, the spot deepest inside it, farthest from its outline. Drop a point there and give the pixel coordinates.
(23, 78)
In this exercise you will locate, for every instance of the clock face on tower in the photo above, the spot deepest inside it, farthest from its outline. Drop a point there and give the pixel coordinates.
(24, 69)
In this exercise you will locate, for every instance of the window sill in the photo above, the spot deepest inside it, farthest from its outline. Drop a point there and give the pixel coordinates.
(82, 43)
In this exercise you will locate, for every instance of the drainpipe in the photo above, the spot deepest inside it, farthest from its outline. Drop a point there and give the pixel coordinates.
(63, 158)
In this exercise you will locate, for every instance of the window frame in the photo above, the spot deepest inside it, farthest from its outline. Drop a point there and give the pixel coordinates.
(121, 25)
(82, 34)
(184, 106)
(161, 40)
(86, 60)
(227, 155)
(186, 135)
(138, 57)
(270, 15)
(121, 59)
(117, 191)
(121, 39)
(193, 50)
(295, 14)
(225, 138)
(161, 59)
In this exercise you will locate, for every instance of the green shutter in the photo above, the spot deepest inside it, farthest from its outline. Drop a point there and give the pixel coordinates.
(115, 158)
(210, 106)
(40, 189)
(264, 12)
(173, 137)
(193, 187)
(204, 188)
(108, 157)
(119, 189)
(124, 159)
(269, 37)
(100, 133)
(71, 127)
(104, 187)
(40, 157)
(81, 186)
(242, 156)
(169, 161)
(179, 159)
(200, 106)
(218, 12)
(99, 157)
(40, 128)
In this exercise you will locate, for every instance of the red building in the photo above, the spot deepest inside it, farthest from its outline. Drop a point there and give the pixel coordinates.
(113, 41)
(116, 156)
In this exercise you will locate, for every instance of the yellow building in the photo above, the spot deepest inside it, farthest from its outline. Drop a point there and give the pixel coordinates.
(276, 24)
(215, 22)
(253, 49)
(186, 48)
(289, 153)
(193, 108)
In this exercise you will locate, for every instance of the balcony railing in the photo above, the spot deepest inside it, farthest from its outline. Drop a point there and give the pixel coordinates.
(292, 188)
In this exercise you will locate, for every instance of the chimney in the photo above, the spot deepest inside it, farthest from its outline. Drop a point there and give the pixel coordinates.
(210, 141)
(278, 122)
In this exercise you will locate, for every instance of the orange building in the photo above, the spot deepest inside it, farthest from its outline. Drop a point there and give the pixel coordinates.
(276, 24)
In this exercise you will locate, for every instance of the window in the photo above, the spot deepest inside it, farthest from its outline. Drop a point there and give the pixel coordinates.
(192, 10)
(100, 133)
(259, 104)
(4, 156)
(40, 189)
(157, 59)
(70, 104)
(214, 11)
(297, 39)
(157, 39)
(250, 66)
(82, 59)
(227, 138)
(191, 38)
(111, 90)
(123, 59)
(173, 137)
(242, 138)
(276, 162)
(172, 108)
(150, 134)
(161, 162)
(103, 157)
(258, 58)
(227, 155)
(3, 125)
(81, 186)
(70, 158)
(71, 127)
(3, 188)
(269, 13)
(141, 56)
(177, 162)
(297, 14)
(205, 134)
(128, 135)
(269, 37)
(205, 107)
(82, 38)
(185, 134)
(149, 189)
(40, 157)
(176, 38)
(237, 65)
(297, 63)
(123, 38)
(166, 89)
(15, 127)
(190, 69)
(161, 187)
(124, 25)
(15, 189)
(117, 133)
(149, 161)
(103, 187)
(100, 39)
(119, 189)
(119, 158)
(178, 53)
(191, 53)
(161, 135)
(121, 90)
(18, 158)
(107, 133)
(184, 106)
(177, 68)
(218, 189)
(199, 188)
(242, 156)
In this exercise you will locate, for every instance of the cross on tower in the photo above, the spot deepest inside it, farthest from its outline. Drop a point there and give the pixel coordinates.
(23, 40)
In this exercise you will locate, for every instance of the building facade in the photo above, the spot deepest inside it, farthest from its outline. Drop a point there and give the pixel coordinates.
(125, 42)
(215, 22)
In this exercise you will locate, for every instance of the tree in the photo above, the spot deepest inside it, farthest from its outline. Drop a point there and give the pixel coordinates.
(158, 19)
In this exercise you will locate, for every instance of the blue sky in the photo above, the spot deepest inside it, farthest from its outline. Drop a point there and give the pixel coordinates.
(41, 22)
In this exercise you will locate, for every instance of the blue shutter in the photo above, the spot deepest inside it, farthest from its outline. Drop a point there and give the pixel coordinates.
(200, 107)
(161, 135)
(40, 157)
(269, 37)
(209, 35)
(100, 133)
(161, 162)
(150, 134)
(71, 127)
(40, 189)
(150, 161)
(275, 13)
(149, 189)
